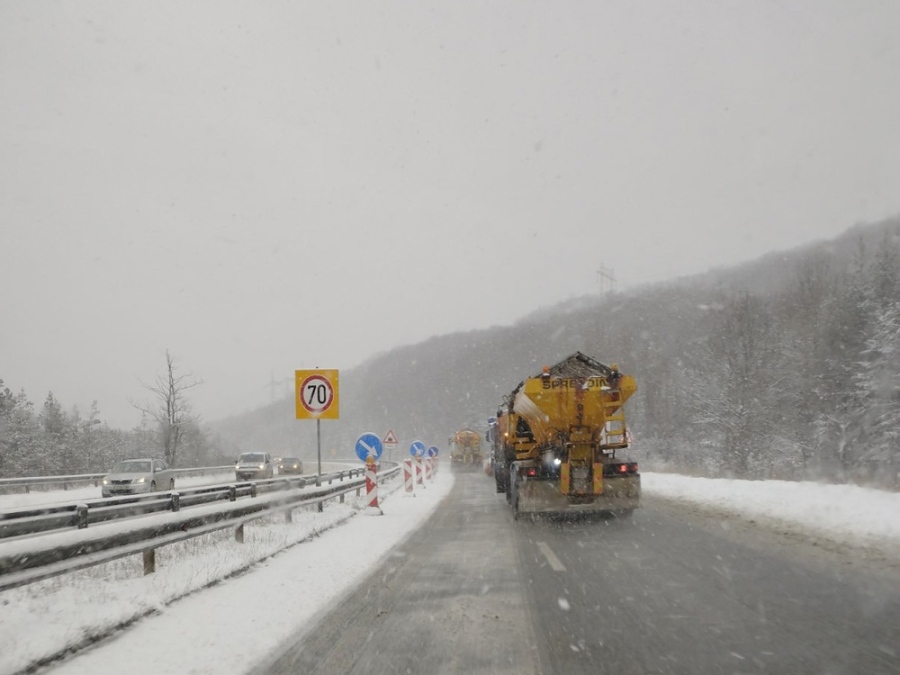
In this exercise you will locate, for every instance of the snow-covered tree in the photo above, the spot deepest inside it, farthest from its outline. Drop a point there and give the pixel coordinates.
(171, 410)
(738, 384)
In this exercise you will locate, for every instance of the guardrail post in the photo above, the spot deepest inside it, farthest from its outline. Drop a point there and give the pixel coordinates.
(253, 489)
(288, 516)
(232, 493)
(321, 506)
(149, 561)
(82, 511)
(27, 489)
(176, 502)
(342, 498)
(330, 478)
(239, 534)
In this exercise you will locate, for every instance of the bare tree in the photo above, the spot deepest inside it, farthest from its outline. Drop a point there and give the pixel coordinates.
(171, 409)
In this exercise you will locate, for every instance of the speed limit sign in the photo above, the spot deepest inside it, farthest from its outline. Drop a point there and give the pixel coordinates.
(316, 394)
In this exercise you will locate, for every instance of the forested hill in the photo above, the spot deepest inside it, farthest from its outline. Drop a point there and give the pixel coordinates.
(788, 366)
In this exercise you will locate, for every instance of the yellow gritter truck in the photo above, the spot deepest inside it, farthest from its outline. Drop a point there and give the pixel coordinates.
(465, 450)
(556, 437)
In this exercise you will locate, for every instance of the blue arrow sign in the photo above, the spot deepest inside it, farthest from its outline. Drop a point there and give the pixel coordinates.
(417, 449)
(433, 451)
(368, 445)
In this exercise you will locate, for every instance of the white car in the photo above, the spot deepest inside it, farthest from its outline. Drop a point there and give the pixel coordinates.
(135, 476)
(254, 465)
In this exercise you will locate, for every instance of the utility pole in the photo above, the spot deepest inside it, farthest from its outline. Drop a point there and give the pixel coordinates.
(606, 280)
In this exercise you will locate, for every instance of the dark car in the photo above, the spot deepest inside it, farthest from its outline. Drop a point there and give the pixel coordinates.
(290, 465)
(254, 465)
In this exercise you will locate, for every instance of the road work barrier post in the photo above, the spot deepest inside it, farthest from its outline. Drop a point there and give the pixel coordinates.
(420, 475)
(371, 487)
(429, 469)
(408, 473)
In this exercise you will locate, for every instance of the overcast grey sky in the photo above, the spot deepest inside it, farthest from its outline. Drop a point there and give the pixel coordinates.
(265, 186)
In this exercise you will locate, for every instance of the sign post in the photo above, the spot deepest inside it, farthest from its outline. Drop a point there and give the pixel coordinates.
(432, 461)
(416, 451)
(368, 449)
(390, 442)
(316, 397)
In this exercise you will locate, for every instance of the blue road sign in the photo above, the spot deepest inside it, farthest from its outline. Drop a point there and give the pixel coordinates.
(417, 449)
(368, 445)
(433, 451)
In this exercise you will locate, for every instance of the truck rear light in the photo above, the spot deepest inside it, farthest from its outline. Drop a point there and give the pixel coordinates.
(529, 471)
(620, 469)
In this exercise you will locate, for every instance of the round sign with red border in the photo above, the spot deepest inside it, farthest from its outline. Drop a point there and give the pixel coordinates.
(316, 394)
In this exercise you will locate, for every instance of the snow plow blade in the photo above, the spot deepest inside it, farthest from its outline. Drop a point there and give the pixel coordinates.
(544, 496)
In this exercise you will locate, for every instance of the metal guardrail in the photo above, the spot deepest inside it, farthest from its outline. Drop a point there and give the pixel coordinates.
(95, 478)
(29, 559)
(43, 519)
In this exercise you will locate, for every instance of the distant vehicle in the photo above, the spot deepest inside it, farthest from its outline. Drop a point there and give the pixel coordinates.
(254, 465)
(135, 476)
(290, 465)
(465, 450)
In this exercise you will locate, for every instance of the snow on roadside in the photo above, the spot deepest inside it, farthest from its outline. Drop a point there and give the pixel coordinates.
(241, 620)
(229, 626)
(844, 512)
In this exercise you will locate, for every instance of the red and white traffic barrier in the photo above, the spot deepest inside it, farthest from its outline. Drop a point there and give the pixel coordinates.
(429, 469)
(371, 487)
(408, 475)
(420, 474)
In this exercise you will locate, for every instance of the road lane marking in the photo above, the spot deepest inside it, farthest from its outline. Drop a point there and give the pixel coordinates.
(555, 562)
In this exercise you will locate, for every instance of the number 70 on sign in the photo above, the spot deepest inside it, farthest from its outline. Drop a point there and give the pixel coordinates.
(316, 394)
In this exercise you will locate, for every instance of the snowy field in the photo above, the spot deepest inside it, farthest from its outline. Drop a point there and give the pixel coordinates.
(221, 607)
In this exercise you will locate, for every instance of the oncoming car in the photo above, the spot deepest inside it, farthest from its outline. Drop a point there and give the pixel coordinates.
(135, 476)
(251, 465)
(290, 465)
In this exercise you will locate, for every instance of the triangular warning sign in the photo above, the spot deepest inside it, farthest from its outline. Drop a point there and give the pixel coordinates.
(390, 438)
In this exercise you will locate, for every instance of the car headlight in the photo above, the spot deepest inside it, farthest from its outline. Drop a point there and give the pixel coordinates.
(105, 481)
(141, 480)
(262, 466)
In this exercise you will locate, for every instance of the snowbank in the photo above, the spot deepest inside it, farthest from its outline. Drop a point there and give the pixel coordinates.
(843, 512)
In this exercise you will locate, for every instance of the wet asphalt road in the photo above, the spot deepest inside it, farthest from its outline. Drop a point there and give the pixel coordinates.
(675, 591)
